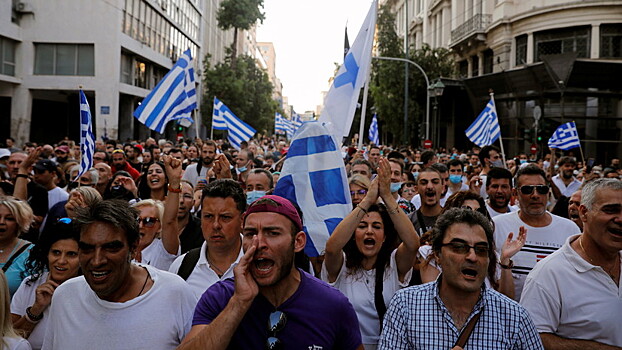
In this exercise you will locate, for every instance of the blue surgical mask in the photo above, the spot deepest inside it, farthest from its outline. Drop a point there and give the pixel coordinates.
(496, 163)
(455, 179)
(523, 161)
(254, 195)
(395, 186)
(416, 175)
(241, 170)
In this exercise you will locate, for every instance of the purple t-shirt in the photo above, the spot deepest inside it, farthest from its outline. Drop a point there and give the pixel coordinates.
(318, 317)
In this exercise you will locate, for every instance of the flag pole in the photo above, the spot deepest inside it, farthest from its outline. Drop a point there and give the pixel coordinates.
(580, 148)
(363, 109)
(211, 134)
(492, 97)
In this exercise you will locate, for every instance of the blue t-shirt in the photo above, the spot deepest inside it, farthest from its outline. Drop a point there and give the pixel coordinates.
(318, 317)
(17, 271)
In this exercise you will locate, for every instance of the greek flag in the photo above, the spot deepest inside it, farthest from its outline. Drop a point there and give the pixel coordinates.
(237, 130)
(173, 98)
(314, 177)
(342, 98)
(87, 139)
(373, 131)
(565, 137)
(279, 124)
(485, 129)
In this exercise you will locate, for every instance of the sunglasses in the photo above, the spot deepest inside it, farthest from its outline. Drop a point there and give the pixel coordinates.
(276, 323)
(528, 189)
(148, 221)
(481, 250)
(361, 192)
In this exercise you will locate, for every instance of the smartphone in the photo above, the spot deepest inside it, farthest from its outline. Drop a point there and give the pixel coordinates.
(589, 165)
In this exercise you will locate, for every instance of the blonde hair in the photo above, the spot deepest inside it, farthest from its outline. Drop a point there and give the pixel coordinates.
(89, 194)
(359, 180)
(151, 203)
(21, 211)
(6, 325)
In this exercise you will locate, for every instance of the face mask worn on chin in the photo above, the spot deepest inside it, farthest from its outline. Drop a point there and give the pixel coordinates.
(523, 161)
(416, 175)
(395, 186)
(496, 163)
(241, 170)
(254, 195)
(455, 179)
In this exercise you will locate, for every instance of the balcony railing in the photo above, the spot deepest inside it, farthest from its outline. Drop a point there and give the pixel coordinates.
(475, 24)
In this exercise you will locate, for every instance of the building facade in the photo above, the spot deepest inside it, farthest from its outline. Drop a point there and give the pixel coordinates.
(114, 50)
(547, 62)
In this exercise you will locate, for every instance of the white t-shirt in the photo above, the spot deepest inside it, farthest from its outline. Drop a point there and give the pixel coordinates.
(541, 242)
(463, 187)
(56, 195)
(16, 344)
(566, 190)
(569, 297)
(23, 298)
(493, 213)
(190, 174)
(416, 201)
(202, 276)
(156, 255)
(359, 288)
(158, 319)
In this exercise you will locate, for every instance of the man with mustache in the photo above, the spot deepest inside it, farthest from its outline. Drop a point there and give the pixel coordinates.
(198, 171)
(430, 188)
(573, 295)
(499, 190)
(565, 180)
(272, 304)
(573, 208)
(546, 232)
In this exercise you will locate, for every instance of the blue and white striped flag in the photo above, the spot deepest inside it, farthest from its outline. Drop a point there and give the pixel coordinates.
(373, 131)
(237, 130)
(342, 97)
(87, 139)
(173, 98)
(279, 124)
(565, 137)
(485, 129)
(314, 177)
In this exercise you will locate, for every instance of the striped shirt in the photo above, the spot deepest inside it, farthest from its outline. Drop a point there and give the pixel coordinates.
(417, 318)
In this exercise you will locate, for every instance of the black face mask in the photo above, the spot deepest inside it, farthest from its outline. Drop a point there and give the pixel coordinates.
(72, 185)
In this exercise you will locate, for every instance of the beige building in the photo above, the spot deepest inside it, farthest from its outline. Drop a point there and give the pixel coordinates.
(267, 58)
(115, 50)
(559, 56)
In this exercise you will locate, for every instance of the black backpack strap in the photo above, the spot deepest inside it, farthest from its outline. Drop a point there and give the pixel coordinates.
(188, 263)
(14, 256)
(381, 308)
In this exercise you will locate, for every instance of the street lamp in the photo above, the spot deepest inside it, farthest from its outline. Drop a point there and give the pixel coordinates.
(436, 89)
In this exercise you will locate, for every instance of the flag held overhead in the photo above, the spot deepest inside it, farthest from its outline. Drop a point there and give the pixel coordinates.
(485, 129)
(224, 119)
(87, 139)
(565, 137)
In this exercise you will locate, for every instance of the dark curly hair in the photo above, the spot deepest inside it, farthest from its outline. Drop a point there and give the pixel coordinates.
(144, 191)
(354, 258)
(37, 262)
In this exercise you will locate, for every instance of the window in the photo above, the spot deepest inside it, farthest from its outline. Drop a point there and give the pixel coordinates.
(562, 41)
(126, 69)
(64, 59)
(521, 50)
(611, 41)
(7, 56)
(474, 66)
(488, 61)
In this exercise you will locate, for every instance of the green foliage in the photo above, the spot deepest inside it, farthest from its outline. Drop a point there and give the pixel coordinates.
(244, 88)
(239, 14)
(387, 83)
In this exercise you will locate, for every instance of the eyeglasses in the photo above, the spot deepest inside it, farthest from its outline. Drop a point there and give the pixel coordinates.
(528, 189)
(147, 222)
(361, 192)
(463, 248)
(276, 323)
(408, 190)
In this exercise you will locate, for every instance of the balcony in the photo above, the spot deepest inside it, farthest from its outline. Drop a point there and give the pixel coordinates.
(473, 27)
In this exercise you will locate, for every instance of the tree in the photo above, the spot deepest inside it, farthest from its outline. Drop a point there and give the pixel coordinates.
(239, 14)
(245, 89)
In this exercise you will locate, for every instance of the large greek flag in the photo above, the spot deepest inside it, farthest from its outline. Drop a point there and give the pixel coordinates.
(485, 129)
(565, 137)
(237, 130)
(342, 97)
(314, 177)
(173, 98)
(87, 139)
(373, 131)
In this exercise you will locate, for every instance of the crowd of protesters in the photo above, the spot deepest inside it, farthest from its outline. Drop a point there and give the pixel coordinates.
(165, 245)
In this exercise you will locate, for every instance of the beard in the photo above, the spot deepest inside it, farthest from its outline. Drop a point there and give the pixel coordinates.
(567, 175)
(207, 161)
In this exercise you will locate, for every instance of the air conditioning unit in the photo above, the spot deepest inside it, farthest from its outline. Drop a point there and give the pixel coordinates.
(24, 7)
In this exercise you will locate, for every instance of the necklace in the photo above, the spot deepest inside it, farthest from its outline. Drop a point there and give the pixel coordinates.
(214, 267)
(12, 251)
(144, 284)
(610, 271)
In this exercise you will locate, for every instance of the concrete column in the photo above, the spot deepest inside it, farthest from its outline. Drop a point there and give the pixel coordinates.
(21, 114)
(530, 48)
(480, 63)
(446, 26)
(595, 41)
(469, 67)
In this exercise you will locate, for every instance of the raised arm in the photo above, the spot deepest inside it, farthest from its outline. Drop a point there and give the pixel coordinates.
(217, 335)
(343, 232)
(222, 167)
(555, 342)
(170, 231)
(21, 182)
(509, 249)
(407, 250)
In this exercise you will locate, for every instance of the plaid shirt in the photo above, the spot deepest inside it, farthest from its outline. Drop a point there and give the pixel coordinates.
(418, 319)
